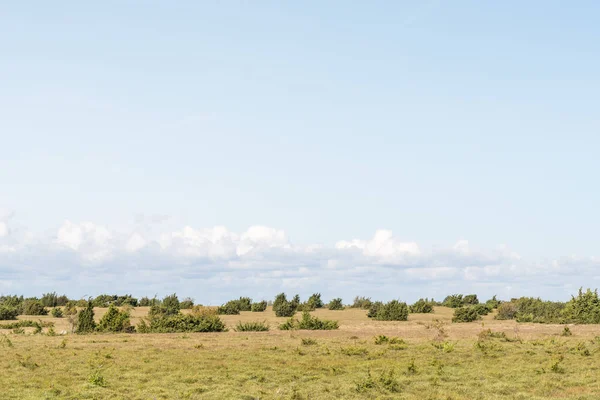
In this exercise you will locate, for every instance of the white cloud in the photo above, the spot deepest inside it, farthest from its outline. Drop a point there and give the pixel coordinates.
(217, 264)
(3, 229)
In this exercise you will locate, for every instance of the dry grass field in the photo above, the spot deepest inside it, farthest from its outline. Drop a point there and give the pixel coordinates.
(435, 360)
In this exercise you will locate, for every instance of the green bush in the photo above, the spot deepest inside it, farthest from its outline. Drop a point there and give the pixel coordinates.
(529, 309)
(583, 309)
(362, 302)
(309, 322)
(470, 299)
(314, 301)
(187, 304)
(126, 300)
(482, 309)
(182, 323)
(336, 304)
(279, 299)
(53, 300)
(453, 301)
(493, 303)
(232, 307)
(252, 327)
(85, 319)
(70, 308)
(114, 321)
(391, 311)
(507, 310)
(465, 314)
(56, 312)
(259, 307)
(7, 313)
(11, 301)
(170, 305)
(245, 303)
(421, 306)
(287, 309)
(374, 309)
(33, 307)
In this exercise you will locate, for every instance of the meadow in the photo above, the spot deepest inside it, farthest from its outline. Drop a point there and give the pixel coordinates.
(426, 357)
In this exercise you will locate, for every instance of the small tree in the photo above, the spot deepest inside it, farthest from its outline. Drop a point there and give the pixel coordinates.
(465, 314)
(85, 319)
(315, 301)
(422, 306)
(7, 313)
(336, 304)
(259, 307)
(470, 299)
(114, 320)
(392, 311)
(56, 312)
(287, 309)
(170, 305)
(187, 303)
(453, 301)
(33, 307)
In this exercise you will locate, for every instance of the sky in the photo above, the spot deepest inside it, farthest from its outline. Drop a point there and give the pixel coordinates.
(391, 149)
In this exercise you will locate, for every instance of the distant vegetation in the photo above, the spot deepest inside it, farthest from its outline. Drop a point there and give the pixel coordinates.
(165, 314)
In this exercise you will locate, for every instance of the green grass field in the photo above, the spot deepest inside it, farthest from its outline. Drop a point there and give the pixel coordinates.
(434, 360)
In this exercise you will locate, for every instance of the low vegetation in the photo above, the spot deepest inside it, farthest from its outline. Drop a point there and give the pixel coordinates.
(309, 322)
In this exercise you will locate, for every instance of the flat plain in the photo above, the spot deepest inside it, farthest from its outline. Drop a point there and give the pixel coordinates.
(426, 357)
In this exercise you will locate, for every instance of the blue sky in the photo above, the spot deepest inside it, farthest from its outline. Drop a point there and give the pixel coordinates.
(130, 130)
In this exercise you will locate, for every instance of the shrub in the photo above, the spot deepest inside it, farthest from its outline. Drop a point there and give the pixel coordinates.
(315, 301)
(245, 303)
(144, 302)
(259, 307)
(374, 309)
(85, 319)
(114, 321)
(126, 300)
(493, 303)
(529, 309)
(11, 301)
(310, 323)
(453, 301)
(287, 309)
(56, 312)
(422, 306)
(391, 311)
(182, 323)
(53, 300)
(252, 327)
(308, 342)
(232, 307)
(465, 314)
(583, 309)
(104, 300)
(171, 305)
(336, 304)
(279, 299)
(362, 302)
(187, 304)
(482, 309)
(70, 308)
(7, 313)
(33, 307)
(470, 299)
(507, 311)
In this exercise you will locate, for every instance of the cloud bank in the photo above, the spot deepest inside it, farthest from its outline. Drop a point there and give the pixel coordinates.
(214, 264)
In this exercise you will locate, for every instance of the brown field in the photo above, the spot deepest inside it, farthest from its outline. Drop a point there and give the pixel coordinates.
(533, 362)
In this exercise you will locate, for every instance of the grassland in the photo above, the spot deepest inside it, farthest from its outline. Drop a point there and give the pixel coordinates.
(435, 360)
